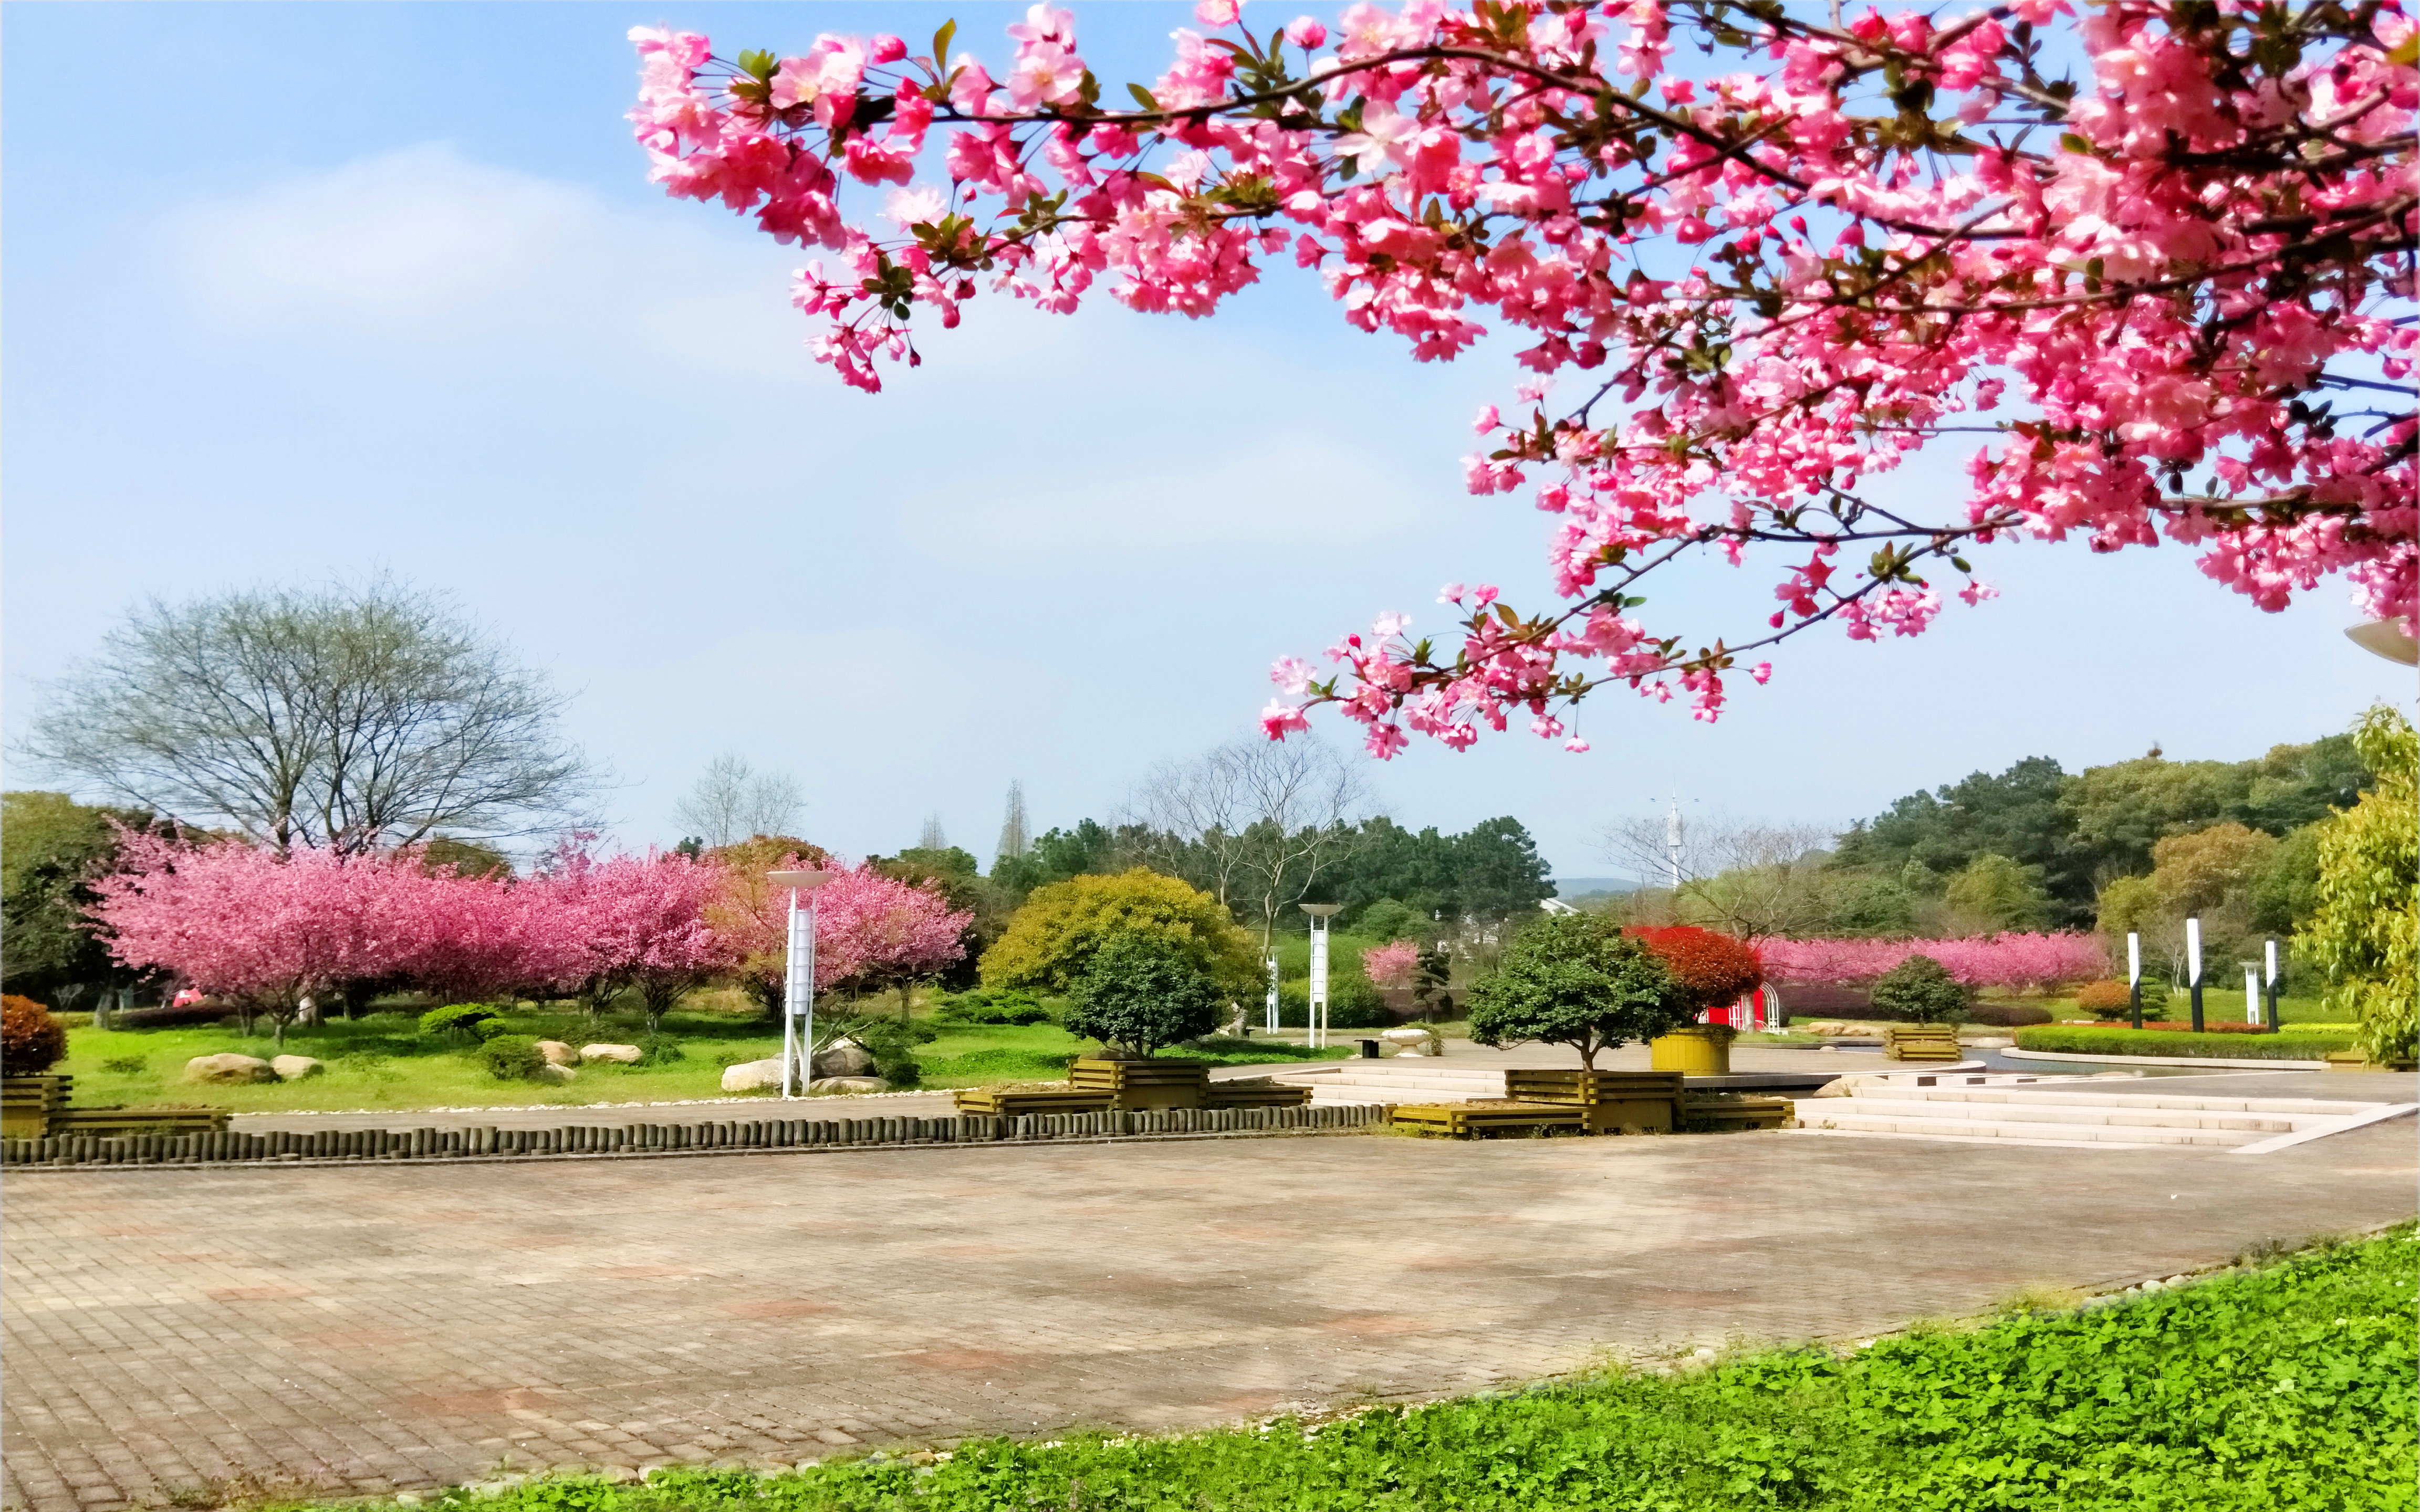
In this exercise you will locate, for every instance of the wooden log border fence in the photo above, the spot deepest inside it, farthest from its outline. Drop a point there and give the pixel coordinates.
(643, 1139)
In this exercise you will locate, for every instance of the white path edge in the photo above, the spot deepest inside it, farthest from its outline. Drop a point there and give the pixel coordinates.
(2167, 1060)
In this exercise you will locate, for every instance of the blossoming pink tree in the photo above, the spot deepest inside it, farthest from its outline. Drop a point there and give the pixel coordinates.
(2024, 962)
(1760, 257)
(1390, 965)
(267, 931)
(871, 930)
(637, 920)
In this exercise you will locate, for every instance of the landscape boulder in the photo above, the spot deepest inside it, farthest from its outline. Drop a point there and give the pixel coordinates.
(843, 1057)
(823, 1085)
(628, 1055)
(553, 1072)
(753, 1076)
(557, 1053)
(229, 1068)
(294, 1068)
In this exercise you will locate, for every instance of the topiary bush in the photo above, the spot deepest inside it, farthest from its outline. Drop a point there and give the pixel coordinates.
(1141, 992)
(1921, 990)
(31, 1040)
(2109, 1000)
(1715, 970)
(456, 1020)
(511, 1058)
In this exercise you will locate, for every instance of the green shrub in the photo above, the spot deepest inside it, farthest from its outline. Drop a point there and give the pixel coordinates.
(488, 1029)
(1353, 1003)
(125, 1065)
(2295, 1042)
(659, 1050)
(2109, 1000)
(1920, 990)
(511, 1058)
(454, 1020)
(1141, 991)
(1576, 979)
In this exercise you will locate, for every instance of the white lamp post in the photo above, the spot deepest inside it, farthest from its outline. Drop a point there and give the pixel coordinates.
(2135, 978)
(2192, 968)
(1272, 964)
(798, 980)
(1315, 1021)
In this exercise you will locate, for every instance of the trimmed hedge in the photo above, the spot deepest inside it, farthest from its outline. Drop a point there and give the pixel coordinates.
(2092, 1039)
(2000, 1015)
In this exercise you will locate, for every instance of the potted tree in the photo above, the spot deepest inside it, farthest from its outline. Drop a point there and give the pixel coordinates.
(1139, 994)
(1713, 971)
(1576, 979)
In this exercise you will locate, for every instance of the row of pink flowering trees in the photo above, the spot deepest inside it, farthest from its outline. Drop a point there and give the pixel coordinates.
(275, 934)
(2022, 963)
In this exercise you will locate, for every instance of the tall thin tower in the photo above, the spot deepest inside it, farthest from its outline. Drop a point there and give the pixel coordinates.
(1672, 840)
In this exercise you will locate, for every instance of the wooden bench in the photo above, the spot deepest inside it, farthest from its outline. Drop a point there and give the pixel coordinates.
(1467, 1120)
(116, 1122)
(1921, 1042)
(27, 1103)
(1257, 1092)
(1137, 1085)
(1002, 1102)
(1614, 1099)
(1733, 1112)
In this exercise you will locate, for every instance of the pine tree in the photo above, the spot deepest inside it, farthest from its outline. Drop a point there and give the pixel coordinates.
(1012, 841)
(931, 839)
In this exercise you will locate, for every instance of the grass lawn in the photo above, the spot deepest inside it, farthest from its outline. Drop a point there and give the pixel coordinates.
(381, 1060)
(2272, 1389)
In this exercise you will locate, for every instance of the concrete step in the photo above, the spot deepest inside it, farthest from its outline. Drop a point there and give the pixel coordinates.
(2104, 1097)
(1812, 1113)
(2115, 1115)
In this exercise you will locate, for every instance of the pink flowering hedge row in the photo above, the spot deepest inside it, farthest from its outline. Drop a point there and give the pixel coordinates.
(2024, 962)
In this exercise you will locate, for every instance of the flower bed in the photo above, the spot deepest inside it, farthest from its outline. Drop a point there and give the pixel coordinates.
(2164, 1040)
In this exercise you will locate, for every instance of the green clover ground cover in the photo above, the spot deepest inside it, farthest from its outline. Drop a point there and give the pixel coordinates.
(2270, 1391)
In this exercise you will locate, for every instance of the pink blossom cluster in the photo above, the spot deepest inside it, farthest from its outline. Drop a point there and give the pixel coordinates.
(2019, 962)
(2173, 305)
(1390, 965)
(236, 921)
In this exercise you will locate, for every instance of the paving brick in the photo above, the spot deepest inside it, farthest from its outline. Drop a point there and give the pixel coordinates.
(407, 1326)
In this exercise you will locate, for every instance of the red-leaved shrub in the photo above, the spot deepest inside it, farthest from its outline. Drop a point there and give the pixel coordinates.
(31, 1040)
(1715, 969)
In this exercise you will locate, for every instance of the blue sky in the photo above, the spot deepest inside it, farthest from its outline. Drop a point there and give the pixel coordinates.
(385, 287)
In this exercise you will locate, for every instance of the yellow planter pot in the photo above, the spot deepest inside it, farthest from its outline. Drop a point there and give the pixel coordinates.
(1700, 1050)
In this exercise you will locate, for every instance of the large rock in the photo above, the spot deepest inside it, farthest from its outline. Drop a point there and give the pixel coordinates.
(628, 1055)
(552, 1073)
(753, 1076)
(294, 1068)
(843, 1057)
(557, 1053)
(824, 1085)
(229, 1068)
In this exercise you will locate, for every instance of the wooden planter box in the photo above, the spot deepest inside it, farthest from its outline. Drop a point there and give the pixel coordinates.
(1002, 1103)
(1615, 1099)
(1256, 1094)
(1134, 1086)
(27, 1105)
(1467, 1120)
(1734, 1113)
(1921, 1042)
(1698, 1050)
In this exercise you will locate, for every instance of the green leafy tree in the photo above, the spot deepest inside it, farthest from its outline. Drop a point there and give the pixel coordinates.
(1996, 893)
(1142, 991)
(2365, 933)
(2286, 892)
(2015, 815)
(1868, 903)
(1921, 989)
(1576, 979)
(1089, 849)
(1051, 939)
(51, 849)
(1390, 919)
(954, 873)
(1497, 873)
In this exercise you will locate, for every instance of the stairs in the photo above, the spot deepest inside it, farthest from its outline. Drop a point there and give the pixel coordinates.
(2074, 1112)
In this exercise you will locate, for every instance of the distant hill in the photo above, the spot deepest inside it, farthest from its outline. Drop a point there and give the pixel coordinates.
(1571, 889)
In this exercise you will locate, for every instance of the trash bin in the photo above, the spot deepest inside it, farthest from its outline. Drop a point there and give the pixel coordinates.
(1368, 1049)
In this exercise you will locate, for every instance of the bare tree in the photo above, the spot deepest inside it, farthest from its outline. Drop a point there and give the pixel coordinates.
(1013, 841)
(1252, 823)
(732, 802)
(344, 716)
(932, 836)
(1753, 880)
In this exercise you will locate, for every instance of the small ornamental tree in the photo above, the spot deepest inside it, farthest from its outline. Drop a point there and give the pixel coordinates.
(640, 921)
(1139, 992)
(1921, 990)
(1432, 974)
(1051, 939)
(1714, 970)
(31, 1040)
(752, 916)
(2143, 271)
(1390, 965)
(2365, 934)
(1576, 979)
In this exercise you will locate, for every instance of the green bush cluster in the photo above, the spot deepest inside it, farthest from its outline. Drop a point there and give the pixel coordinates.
(2293, 1043)
(1353, 1003)
(458, 1019)
(2279, 1390)
(992, 1005)
(511, 1058)
(1920, 990)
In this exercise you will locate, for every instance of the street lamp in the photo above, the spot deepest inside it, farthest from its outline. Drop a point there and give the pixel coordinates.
(799, 979)
(1315, 1020)
(2388, 639)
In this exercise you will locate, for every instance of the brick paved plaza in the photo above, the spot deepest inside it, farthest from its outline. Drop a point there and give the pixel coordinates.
(364, 1329)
